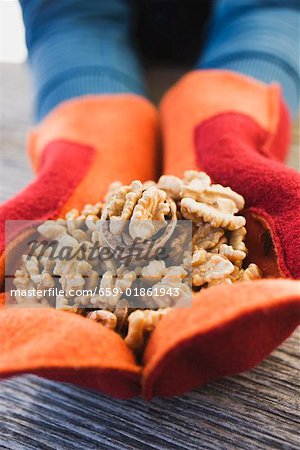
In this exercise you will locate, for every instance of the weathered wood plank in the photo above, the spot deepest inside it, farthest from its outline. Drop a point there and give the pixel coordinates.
(255, 410)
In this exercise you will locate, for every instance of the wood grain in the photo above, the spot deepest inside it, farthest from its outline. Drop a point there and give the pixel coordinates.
(255, 410)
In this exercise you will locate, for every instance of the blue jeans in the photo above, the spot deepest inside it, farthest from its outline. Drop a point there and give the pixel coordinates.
(80, 47)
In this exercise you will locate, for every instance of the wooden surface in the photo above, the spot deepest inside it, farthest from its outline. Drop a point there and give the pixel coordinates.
(255, 410)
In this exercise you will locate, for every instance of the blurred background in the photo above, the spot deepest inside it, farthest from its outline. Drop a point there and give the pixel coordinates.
(12, 36)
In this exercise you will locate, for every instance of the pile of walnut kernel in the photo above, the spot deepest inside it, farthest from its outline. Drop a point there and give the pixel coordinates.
(218, 250)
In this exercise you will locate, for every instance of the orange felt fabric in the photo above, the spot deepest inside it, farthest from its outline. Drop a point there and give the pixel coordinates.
(123, 129)
(2, 299)
(67, 347)
(229, 329)
(201, 95)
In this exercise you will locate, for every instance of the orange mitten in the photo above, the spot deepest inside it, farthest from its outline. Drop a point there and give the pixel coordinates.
(77, 151)
(236, 130)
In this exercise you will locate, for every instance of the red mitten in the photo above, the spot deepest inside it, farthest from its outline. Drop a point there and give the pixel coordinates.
(77, 151)
(236, 130)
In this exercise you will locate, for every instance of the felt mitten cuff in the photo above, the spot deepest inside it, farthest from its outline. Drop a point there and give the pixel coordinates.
(227, 330)
(66, 347)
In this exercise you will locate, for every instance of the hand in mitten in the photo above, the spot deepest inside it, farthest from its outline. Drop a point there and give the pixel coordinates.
(236, 130)
(77, 151)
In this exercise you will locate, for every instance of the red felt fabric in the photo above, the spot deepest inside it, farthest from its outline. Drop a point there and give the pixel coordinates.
(231, 148)
(279, 142)
(227, 330)
(64, 164)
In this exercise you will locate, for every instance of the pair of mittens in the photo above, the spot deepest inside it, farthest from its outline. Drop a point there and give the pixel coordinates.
(235, 129)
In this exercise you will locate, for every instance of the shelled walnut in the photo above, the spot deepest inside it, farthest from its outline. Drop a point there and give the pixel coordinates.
(141, 322)
(135, 213)
(149, 211)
